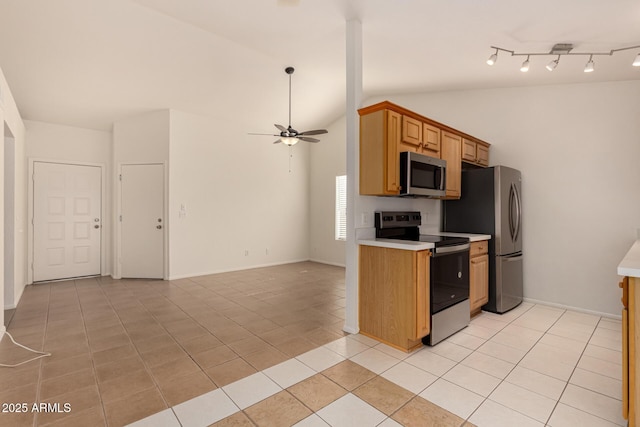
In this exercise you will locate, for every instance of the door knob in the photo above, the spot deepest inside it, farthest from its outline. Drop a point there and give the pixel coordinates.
(96, 226)
(158, 227)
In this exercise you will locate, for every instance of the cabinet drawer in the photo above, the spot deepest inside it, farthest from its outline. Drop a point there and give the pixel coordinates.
(479, 248)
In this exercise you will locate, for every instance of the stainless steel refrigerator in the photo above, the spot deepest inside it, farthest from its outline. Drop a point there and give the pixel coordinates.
(491, 203)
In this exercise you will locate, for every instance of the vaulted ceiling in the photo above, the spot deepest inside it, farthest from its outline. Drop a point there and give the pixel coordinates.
(88, 63)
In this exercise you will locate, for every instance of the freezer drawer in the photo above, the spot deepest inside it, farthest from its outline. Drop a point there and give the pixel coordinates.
(508, 283)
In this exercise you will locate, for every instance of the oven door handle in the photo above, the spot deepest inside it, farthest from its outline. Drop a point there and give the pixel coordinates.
(446, 250)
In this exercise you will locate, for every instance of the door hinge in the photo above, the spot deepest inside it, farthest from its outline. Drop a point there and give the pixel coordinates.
(120, 218)
(120, 177)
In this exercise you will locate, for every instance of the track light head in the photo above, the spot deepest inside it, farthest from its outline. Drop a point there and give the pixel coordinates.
(553, 64)
(493, 58)
(525, 65)
(636, 62)
(589, 68)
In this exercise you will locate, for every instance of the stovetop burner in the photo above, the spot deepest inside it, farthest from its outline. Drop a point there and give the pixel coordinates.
(439, 241)
(404, 226)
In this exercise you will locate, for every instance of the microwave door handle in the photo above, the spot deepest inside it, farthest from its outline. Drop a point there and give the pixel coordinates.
(441, 178)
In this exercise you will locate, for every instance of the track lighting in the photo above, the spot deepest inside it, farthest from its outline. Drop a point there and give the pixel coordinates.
(560, 49)
(589, 67)
(553, 64)
(493, 58)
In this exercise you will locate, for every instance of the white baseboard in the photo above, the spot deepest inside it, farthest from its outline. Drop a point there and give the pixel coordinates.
(229, 270)
(572, 308)
(10, 306)
(350, 330)
(3, 329)
(335, 264)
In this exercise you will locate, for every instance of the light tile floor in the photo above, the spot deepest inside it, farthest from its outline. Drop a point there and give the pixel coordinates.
(126, 349)
(534, 366)
(228, 350)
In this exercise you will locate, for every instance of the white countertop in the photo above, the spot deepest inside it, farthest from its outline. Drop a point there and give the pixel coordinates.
(419, 246)
(630, 264)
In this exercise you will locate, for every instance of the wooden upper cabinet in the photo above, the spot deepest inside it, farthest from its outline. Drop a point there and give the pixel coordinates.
(411, 134)
(387, 129)
(380, 135)
(475, 152)
(431, 140)
(451, 151)
(392, 175)
(468, 150)
(482, 154)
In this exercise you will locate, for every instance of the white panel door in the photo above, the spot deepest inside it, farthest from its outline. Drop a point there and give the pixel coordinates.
(142, 232)
(67, 227)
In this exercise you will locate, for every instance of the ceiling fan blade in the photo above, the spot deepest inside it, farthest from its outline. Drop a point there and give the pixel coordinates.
(281, 128)
(277, 141)
(306, 138)
(267, 134)
(314, 132)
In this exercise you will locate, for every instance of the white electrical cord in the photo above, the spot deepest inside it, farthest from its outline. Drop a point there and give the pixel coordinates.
(41, 353)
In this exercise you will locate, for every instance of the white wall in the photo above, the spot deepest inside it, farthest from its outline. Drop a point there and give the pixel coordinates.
(578, 148)
(11, 125)
(327, 159)
(239, 197)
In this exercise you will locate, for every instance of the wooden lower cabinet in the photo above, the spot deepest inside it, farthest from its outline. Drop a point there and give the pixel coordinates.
(630, 349)
(478, 275)
(394, 300)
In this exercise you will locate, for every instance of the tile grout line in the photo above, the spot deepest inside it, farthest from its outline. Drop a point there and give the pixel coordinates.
(502, 380)
(575, 385)
(41, 361)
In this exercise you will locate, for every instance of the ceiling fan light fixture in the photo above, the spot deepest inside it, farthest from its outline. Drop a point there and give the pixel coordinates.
(289, 140)
(636, 62)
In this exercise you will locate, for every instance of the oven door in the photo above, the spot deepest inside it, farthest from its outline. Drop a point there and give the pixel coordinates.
(449, 278)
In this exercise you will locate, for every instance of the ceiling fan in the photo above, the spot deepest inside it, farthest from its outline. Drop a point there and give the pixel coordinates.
(288, 135)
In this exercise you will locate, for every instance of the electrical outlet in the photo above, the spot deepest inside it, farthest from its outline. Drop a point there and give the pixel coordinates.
(246, 252)
(364, 218)
(266, 251)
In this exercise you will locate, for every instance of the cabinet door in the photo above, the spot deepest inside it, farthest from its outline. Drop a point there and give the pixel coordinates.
(451, 152)
(468, 150)
(431, 138)
(423, 317)
(479, 282)
(411, 134)
(392, 160)
(482, 155)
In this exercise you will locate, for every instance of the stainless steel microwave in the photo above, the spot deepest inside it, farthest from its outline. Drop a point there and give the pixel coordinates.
(421, 175)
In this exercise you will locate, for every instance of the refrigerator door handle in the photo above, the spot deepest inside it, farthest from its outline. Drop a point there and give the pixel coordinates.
(513, 258)
(518, 213)
(511, 220)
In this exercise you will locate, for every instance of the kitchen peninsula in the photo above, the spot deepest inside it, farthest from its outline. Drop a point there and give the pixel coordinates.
(395, 293)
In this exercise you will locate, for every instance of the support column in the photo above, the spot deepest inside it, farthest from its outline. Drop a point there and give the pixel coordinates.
(354, 101)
